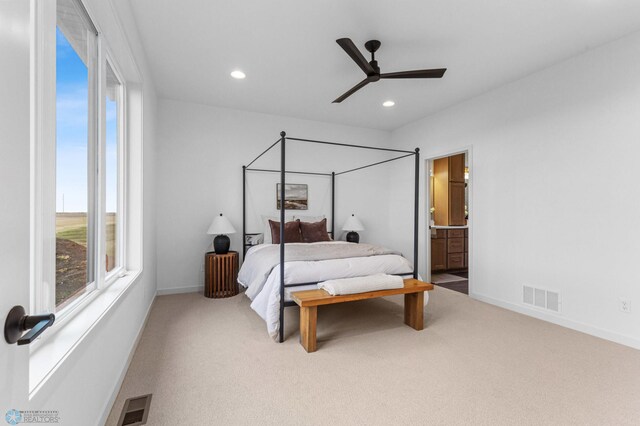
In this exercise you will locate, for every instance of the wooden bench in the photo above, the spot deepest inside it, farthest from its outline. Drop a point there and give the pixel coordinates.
(309, 301)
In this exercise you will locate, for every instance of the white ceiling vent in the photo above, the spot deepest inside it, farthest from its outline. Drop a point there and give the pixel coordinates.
(541, 298)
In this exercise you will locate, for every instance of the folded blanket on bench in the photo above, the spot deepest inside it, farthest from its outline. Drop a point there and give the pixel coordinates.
(361, 284)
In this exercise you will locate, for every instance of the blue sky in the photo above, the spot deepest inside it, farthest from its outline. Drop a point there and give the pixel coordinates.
(72, 130)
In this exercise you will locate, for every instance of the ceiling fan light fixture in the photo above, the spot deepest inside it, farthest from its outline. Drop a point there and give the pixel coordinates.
(238, 75)
(388, 104)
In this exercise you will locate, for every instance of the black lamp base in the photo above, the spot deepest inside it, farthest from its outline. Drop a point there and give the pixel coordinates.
(221, 244)
(353, 237)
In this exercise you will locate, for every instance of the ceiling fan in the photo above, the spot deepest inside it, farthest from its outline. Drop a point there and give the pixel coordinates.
(372, 70)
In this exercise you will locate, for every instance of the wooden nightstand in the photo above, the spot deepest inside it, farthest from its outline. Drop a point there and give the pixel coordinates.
(221, 274)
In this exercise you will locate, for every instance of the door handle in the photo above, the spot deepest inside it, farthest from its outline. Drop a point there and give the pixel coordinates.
(18, 322)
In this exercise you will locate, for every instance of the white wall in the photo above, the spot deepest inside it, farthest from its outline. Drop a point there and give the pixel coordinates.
(555, 199)
(201, 153)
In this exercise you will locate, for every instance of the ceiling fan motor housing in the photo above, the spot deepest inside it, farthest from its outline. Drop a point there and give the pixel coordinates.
(375, 76)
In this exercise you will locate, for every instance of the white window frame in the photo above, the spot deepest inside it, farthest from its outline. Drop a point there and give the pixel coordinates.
(120, 269)
(43, 247)
(93, 206)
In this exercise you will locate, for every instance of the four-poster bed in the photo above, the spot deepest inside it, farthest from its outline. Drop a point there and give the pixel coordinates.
(385, 259)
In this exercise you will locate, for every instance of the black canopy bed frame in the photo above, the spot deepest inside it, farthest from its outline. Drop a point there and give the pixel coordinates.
(283, 172)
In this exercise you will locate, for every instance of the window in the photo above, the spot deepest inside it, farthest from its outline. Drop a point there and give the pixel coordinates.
(89, 243)
(86, 177)
(75, 153)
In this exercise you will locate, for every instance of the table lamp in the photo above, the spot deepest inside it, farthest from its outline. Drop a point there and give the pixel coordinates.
(220, 227)
(352, 225)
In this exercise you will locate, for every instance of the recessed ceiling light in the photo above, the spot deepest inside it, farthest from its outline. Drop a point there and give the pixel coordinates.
(238, 74)
(388, 104)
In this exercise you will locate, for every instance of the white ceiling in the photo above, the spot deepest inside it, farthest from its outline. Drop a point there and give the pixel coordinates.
(295, 68)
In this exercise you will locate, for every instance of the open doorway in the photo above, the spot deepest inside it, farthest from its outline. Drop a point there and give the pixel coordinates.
(448, 215)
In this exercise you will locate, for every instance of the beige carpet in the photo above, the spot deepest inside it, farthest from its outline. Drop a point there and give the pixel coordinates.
(210, 362)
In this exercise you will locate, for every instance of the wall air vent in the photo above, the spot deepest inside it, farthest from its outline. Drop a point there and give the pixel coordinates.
(553, 301)
(541, 298)
(135, 411)
(527, 295)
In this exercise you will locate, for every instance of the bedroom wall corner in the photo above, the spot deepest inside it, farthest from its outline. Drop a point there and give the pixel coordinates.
(201, 152)
(555, 192)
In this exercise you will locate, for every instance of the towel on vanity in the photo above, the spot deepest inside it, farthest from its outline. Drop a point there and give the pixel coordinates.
(361, 284)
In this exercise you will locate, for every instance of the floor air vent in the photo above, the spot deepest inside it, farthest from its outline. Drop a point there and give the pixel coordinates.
(135, 411)
(541, 298)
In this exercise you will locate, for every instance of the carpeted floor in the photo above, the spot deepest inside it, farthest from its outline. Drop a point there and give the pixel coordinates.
(210, 361)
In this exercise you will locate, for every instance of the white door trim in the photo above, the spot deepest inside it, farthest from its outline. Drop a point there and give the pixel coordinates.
(427, 235)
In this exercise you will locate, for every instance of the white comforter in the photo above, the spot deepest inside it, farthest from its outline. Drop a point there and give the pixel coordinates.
(263, 288)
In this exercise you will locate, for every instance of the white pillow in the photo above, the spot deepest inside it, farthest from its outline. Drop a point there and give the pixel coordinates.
(254, 240)
(308, 218)
(267, 228)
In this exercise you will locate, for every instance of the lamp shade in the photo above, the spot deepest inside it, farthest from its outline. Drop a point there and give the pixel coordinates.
(353, 224)
(221, 226)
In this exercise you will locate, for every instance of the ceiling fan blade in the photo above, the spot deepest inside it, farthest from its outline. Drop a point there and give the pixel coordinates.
(355, 54)
(435, 73)
(351, 91)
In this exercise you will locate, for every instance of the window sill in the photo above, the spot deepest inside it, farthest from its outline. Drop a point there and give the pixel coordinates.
(49, 353)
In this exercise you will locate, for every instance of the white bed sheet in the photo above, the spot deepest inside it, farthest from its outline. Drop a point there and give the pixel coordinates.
(267, 300)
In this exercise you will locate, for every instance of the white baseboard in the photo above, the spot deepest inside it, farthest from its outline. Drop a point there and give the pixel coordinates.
(178, 290)
(123, 373)
(562, 321)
